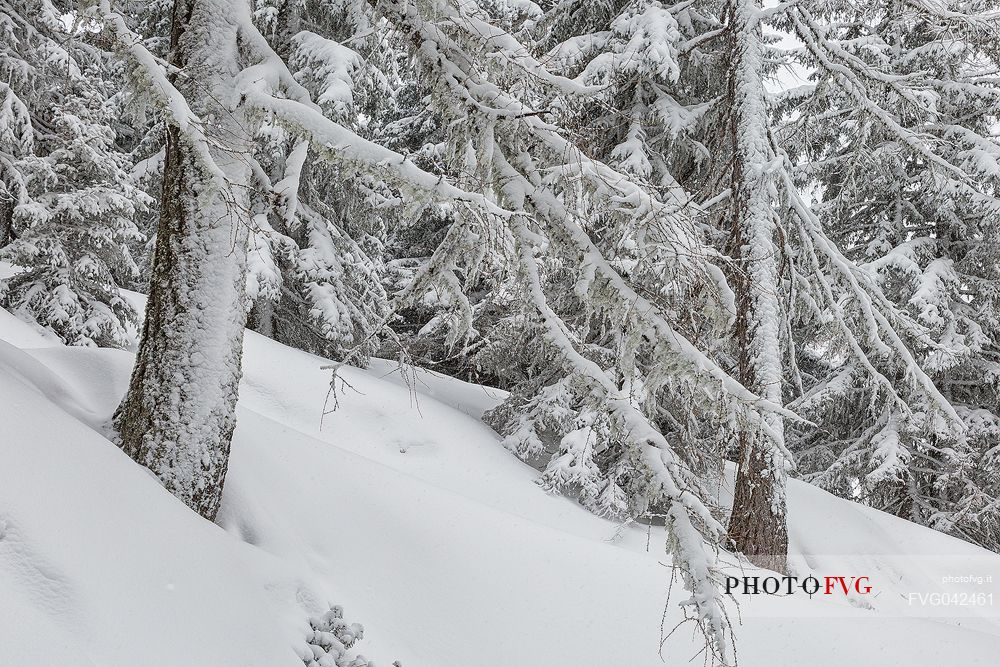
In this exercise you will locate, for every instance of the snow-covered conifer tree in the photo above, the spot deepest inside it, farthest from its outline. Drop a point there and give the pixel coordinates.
(897, 130)
(705, 124)
(682, 105)
(316, 265)
(67, 201)
(757, 526)
(178, 416)
(609, 265)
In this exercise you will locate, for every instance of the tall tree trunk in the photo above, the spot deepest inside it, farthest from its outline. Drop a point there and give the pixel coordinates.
(757, 526)
(179, 414)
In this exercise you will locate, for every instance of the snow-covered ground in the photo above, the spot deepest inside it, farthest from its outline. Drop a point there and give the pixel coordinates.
(402, 507)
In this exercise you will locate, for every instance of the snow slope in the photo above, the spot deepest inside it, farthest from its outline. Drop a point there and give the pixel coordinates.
(401, 507)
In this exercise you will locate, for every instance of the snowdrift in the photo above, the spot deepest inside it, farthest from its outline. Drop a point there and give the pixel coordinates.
(400, 506)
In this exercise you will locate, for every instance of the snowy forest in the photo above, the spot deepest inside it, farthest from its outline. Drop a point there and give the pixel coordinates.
(702, 267)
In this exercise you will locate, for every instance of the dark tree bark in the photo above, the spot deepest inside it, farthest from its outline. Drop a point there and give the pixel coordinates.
(7, 235)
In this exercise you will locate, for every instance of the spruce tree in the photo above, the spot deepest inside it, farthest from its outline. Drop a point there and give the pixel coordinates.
(758, 526)
(316, 259)
(689, 111)
(179, 414)
(68, 204)
(896, 132)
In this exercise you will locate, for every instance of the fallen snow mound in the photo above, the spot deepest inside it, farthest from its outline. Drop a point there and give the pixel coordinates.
(402, 507)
